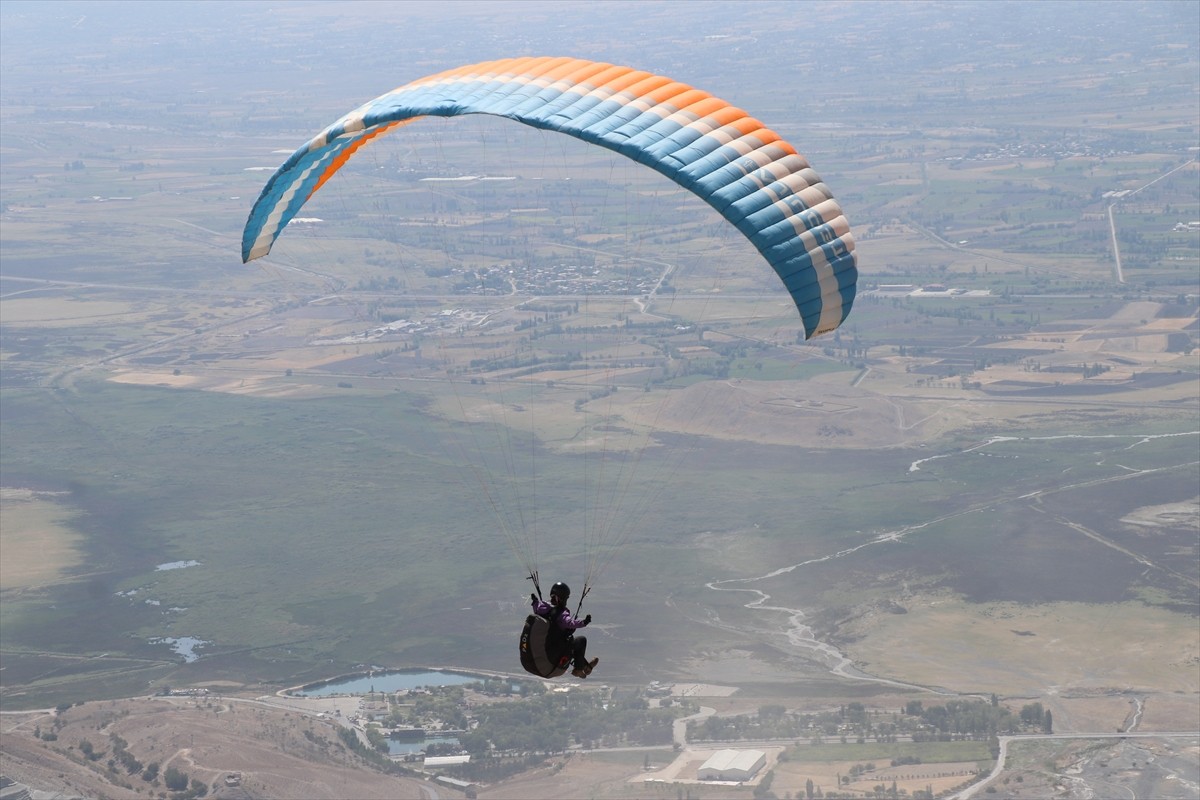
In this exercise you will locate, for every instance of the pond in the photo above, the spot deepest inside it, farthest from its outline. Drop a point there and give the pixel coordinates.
(387, 682)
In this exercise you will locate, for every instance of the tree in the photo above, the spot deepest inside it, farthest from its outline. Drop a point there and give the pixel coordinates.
(377, 739)
(771, 712)
(1047, 722)
(175, 780)
(763, 790)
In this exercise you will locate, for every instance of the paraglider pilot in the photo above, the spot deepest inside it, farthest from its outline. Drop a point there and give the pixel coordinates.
(564, 627)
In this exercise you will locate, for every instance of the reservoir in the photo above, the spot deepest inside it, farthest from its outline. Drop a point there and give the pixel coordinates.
(386, 682)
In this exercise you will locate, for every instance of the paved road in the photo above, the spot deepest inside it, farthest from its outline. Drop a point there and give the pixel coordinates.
(679, 727)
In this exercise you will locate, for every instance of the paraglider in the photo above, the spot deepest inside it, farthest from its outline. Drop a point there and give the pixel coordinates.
(548, 642)
(732, 161)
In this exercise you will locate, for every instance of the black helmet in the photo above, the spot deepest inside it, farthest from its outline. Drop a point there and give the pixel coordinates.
(561, 591)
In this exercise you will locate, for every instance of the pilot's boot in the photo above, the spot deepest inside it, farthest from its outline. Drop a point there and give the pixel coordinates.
(585, 669)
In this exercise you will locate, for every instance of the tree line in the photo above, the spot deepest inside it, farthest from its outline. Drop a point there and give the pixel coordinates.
(957, 719)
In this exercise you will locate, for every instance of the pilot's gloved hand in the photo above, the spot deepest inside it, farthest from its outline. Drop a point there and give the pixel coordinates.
(587, 620)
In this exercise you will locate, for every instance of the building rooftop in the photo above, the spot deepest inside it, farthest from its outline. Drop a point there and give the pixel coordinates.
(733, 759)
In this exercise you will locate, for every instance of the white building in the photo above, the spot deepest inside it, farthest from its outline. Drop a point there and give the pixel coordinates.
(732, 765)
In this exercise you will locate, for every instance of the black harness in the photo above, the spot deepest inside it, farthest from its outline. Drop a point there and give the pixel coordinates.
(545, 648)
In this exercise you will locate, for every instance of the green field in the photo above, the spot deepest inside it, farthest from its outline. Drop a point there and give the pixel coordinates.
(231, 482)
(881, 752)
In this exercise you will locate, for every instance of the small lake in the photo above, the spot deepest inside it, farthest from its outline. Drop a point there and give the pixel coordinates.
(184, 646)
(388, 682)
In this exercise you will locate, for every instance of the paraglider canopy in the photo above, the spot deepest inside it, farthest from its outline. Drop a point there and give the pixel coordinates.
(743, 169)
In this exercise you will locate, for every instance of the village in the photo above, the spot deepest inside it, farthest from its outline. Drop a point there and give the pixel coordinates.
(473, 735)
(434, 731)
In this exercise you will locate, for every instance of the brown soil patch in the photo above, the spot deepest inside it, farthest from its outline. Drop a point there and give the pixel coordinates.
(1018, 650)
(1170, 712)
(574, 776)
(793, 776)
(52, 312)
(822, 412)
(38, 546)
(280, 754)
(1148, 519)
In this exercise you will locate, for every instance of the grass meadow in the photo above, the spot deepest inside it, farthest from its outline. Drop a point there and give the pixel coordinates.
(927, 752)
(346, 525)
